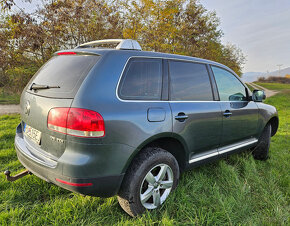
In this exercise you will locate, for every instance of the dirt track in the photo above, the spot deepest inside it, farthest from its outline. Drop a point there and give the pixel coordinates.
(268, 92)
(9, 109)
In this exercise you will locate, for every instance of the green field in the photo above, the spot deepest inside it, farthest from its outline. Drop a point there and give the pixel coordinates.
(274, 86)
(237, 190)
(8, 98)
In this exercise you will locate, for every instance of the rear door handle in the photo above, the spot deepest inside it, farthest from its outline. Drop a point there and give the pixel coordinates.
(227, 113)
(181, 117)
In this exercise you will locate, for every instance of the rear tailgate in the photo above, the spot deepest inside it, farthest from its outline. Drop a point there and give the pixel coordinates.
(66, 72)
(34, 112)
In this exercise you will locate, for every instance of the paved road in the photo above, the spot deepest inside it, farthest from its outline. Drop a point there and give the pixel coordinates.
(268, 92)
(9, 109)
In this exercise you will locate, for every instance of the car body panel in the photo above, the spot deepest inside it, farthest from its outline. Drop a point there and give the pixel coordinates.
(130, 125)
(244, 117)
(202, 130)
(266, 113)
(36, 117)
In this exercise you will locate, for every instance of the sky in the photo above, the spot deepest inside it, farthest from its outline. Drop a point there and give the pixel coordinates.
(261, 28)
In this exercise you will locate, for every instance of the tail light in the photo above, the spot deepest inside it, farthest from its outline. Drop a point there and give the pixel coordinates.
(76, 122)
(66, 53)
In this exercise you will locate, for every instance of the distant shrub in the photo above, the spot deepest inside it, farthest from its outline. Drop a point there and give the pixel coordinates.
(270, 79)
(261, 79)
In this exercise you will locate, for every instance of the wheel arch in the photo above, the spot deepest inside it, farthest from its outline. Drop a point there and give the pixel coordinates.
(274, 121)
(171, 144)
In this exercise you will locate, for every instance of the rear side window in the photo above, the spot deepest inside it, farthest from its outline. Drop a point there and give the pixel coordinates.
(142, 80)
(67, 72)
(189, 82)
(229, 87)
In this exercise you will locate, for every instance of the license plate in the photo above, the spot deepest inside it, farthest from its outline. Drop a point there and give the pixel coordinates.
(32, 133)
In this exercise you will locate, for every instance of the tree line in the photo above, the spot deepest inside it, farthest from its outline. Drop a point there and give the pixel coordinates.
(28, 39)
(276, 79)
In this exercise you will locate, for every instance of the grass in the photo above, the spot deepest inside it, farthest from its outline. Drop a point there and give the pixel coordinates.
(274, 86)
(236, 190)
(8, 98)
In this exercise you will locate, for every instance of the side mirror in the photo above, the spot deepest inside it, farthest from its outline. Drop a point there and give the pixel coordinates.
(258, 95)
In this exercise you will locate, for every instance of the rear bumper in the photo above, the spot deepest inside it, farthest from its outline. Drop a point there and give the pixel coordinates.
(52, 171)
(102, 186)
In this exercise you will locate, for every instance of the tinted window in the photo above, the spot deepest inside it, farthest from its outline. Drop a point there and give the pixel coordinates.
(229, 87)
(189, 81)
(142, 79)
(65, 71)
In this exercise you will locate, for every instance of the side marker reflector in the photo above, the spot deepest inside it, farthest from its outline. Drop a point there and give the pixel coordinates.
(74, 184)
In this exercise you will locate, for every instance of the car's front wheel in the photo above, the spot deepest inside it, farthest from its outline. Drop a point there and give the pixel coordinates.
(148, 182)
(261, 151)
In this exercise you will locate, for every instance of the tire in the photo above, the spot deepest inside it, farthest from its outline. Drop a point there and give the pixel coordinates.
(138, 181)
(261, 151)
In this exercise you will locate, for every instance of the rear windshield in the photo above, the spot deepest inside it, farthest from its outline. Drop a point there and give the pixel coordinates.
(67, 72)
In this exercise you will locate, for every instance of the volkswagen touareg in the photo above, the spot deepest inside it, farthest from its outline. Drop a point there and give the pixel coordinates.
(121, 121)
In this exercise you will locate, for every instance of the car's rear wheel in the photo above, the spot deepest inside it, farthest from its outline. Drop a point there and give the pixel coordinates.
(148, 182)
(261, 151)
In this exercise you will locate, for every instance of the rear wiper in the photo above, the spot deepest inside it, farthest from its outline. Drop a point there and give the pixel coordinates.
(37, 86)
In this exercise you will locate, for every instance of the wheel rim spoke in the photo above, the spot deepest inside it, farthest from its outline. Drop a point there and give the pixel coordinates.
(156, 197)
(161, 173)
(156, 186)
(150, 178)
(147, 194)
(166, 184)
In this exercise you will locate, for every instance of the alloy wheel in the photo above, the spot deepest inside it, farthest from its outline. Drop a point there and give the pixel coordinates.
(156, 186)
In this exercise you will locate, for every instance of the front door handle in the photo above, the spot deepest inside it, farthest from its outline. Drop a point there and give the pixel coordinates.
(227, 113)
(181, 116)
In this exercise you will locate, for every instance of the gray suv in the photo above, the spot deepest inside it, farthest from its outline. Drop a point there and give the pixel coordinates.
(121, 121)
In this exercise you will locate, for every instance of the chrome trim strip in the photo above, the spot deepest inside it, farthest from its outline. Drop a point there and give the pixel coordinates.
(203, 157)
(206, 101)
(21, 146)
(166, 101)
(225, 150)
(165, 58)
(239, 145)
(29, 144)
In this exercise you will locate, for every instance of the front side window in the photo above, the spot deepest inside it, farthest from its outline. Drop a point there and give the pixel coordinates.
(189, 82)
(142, 80)
(229, 87)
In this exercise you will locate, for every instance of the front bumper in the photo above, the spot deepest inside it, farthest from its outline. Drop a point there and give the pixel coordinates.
(52, 171)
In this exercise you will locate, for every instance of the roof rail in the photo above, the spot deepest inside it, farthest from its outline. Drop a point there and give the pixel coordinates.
(121, 44)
